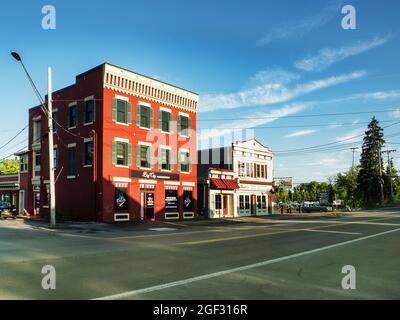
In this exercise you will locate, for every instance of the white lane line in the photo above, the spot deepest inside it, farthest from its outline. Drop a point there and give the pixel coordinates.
(161, 229)
(329, 231)
(243, 268)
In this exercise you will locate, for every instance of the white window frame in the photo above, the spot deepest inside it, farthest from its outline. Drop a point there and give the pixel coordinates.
(170, 112)
(164, 147)
(182, 114)
(126, 141)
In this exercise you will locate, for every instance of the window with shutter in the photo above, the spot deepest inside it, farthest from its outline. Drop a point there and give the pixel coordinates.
(184, 125)
(144, 116)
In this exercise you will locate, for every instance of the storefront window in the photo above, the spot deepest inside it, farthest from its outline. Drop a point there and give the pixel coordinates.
(121, 200)
(171, 200)
(241, 202)
(247, 202)
(218, 202)
(259, 202)
(187, 201)
(263, 202)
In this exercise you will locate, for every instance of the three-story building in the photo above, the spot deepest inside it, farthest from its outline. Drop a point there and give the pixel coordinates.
(124, 149)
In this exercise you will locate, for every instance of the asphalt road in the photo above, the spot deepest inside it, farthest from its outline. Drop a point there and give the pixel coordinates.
(253, 258)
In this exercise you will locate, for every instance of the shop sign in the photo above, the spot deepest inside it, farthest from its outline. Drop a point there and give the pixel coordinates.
(154, 175)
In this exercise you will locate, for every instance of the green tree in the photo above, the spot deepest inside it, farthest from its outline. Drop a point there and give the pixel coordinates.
(369, 178)
(9, 166)
(391, 180)
(346, 186)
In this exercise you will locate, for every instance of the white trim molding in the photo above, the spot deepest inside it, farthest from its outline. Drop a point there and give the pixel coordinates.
(134, 84)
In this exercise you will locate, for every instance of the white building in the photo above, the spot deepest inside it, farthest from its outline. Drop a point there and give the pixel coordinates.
(250, 165)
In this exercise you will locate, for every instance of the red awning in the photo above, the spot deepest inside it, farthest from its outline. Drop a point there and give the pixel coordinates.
(227, 184)
(231, 184)
(217, 183)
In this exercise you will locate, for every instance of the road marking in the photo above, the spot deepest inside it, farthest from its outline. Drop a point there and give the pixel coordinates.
(161, 229)
(330, 231)
(238, 269)
(166, 234)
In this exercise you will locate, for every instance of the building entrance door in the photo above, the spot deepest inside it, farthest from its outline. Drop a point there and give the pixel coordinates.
(36, 200)
(253, 205)
(225, 205)
(149, 206)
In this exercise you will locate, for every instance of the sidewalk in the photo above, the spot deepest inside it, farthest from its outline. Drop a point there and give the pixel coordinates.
(91, 227)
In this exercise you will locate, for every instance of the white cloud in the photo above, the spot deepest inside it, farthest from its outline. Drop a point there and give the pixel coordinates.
(301, 27)
(257, 119)
(327, 56)
(277, 76)
(300, 133)
(270, 93)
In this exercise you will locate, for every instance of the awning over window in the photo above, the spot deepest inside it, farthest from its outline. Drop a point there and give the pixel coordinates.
(227, 184)
(231, 184)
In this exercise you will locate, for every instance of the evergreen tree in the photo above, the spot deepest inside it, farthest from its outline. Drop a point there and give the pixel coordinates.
(369, 179)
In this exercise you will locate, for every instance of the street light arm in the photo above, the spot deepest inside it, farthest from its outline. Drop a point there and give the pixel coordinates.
(17, 57)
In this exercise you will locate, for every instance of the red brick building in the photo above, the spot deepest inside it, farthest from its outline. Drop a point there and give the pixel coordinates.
(124, 148)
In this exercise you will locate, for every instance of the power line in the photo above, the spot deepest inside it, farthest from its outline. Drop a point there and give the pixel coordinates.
(301, 126)
(300, 116)
(13, 138)
(333, 143)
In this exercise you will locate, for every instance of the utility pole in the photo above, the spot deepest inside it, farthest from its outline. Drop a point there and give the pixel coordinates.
(51, 150)
(380, 173)
(388, 152)
(354, 151)
(49, 114)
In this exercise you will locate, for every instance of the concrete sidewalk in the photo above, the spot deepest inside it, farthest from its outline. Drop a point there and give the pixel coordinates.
(89, 227)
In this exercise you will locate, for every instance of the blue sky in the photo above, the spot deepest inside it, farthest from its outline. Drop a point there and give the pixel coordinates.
(261, 65)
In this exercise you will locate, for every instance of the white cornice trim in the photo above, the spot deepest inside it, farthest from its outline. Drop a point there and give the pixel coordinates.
(128, 82)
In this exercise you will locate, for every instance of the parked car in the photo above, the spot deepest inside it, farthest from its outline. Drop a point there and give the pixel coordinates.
(315, 207)
(7, 211)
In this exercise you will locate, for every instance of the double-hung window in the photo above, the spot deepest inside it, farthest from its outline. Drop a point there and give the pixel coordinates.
(36, 132)
(72, 117)
(144, 116)
(165, 121)
(184, 125)
(56, 121)
(121, 111)
(185, 162)
(164, 158)
(71, 161)
(121, 152)
(144, 156)
(88, 153)
(89, 111)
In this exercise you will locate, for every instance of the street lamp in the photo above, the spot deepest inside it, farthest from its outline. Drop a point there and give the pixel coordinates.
(49, 113)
